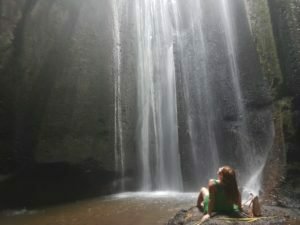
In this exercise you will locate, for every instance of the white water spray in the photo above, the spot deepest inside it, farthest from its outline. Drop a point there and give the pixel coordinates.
(118, 139)
(203, 42)
(157, 106)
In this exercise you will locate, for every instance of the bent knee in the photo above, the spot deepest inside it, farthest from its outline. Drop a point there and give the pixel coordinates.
(204, 190)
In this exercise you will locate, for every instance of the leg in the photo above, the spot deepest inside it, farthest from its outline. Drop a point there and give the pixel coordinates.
(203, 193)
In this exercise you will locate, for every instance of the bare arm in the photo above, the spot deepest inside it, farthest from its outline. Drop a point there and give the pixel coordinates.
(212, 196)
(211, 203)
(239, 203)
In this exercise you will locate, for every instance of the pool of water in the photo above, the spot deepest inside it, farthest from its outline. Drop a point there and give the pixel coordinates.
(139, 208)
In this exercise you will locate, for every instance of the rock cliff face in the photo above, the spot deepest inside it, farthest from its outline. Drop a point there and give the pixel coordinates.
(11, 12)
(285, 17)
(56, 101)
(275, 31)
(241, 109)
(57, 91)
(56, 82)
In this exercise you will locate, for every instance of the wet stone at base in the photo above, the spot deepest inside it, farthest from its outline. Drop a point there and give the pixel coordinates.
(271, 215)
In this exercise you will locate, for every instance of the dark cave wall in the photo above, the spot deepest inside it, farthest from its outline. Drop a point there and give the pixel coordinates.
(56, 82)
(275, 31)
(11, 13)
(285, 17)
(56, 102)
(261, 31)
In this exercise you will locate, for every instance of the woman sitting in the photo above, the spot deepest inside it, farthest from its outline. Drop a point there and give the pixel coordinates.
(222, 195)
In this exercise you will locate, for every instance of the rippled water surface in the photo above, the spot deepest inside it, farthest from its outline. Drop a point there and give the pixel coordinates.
(125, 209)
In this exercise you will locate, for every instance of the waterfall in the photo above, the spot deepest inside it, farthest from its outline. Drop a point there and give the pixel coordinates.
(157, 107)
(253, 157)
(118, 128)
(197, 94)
(192, 104)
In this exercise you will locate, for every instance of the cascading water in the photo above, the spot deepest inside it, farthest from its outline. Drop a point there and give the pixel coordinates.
(197, 94)
(157, 108)
(187, 57)
(214, 103)
(118, 139)
(254, 158)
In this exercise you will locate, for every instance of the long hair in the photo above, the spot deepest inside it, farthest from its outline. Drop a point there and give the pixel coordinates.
(230, 184)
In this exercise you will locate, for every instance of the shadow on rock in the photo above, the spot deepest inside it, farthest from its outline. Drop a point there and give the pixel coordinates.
(54, 183)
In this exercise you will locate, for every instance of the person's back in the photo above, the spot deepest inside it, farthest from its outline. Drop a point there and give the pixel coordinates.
(222, 195)
(222, 202)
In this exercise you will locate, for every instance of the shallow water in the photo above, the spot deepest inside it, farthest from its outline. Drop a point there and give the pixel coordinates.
(127, 209)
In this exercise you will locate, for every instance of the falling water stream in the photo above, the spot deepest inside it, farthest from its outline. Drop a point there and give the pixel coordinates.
(197, 94)
(118, 141)
(187, 57)
(157, 107)
(191, 108)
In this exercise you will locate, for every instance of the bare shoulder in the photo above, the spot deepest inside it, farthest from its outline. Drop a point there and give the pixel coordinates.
(211, 183)
(211, 187)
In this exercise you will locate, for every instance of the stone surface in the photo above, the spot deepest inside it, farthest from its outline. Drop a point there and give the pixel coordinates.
(285, 17)
(271, 216)
(275, 31)
(10, 15)
(55, 183)
(57, 85)
(57, 91)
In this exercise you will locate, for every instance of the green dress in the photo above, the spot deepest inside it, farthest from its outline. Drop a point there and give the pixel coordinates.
(221, 203)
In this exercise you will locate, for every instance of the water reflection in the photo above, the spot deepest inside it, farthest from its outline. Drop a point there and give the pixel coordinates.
(142, 208)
